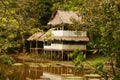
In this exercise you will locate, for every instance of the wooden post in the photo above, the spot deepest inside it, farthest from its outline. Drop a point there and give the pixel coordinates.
(68, 56)
(51, 55)
(85, 54)
(67, 60)
(43, 50)
(36, 48)
(62, 55)
(51, 52)
(62, 27)
(30, 46)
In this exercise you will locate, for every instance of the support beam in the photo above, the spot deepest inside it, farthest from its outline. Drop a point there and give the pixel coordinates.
(62, 55)
(30, 46)
(36, 50)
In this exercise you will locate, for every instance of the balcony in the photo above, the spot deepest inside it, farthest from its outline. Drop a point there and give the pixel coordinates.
(69, 33)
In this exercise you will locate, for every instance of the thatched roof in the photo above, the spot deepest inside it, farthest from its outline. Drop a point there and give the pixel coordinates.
(63, 17)
(70, 38)
(35, 36)
(46, 35)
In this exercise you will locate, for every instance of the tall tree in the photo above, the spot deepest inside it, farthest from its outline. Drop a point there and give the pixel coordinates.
(71, 5)
(101, 19)
(21, 18)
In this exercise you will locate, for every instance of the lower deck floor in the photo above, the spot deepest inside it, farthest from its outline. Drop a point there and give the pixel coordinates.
(59, 55)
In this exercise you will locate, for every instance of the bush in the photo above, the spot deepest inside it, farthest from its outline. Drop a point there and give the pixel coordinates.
(6, 59)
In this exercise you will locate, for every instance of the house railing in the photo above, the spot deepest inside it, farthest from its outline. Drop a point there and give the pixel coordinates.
(69, 33)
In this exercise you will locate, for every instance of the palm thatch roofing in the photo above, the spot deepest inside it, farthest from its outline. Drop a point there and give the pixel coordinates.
(70, 38)
(63, 17)
(35, 36)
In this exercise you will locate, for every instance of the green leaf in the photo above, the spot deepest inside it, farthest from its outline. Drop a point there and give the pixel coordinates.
(116, 78)
(4, 20)
(34, 30)
(102, 29)
(11, 36)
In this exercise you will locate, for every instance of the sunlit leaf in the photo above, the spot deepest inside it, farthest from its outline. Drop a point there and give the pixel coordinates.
(102, 29)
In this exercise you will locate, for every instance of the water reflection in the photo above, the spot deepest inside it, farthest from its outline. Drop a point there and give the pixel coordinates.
(19, 71)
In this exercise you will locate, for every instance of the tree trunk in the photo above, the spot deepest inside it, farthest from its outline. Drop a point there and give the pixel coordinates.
(23, 43)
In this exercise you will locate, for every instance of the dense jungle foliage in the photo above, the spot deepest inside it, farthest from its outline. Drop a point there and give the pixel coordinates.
(101, 18)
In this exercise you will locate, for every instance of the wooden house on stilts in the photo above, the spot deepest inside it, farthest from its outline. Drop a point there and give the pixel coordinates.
(60, 40)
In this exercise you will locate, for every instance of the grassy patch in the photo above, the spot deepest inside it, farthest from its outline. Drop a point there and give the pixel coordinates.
(95, 59)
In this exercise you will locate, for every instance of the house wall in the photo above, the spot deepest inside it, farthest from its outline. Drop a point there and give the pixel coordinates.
(66, 47)
(68, 33)
(47, 47)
